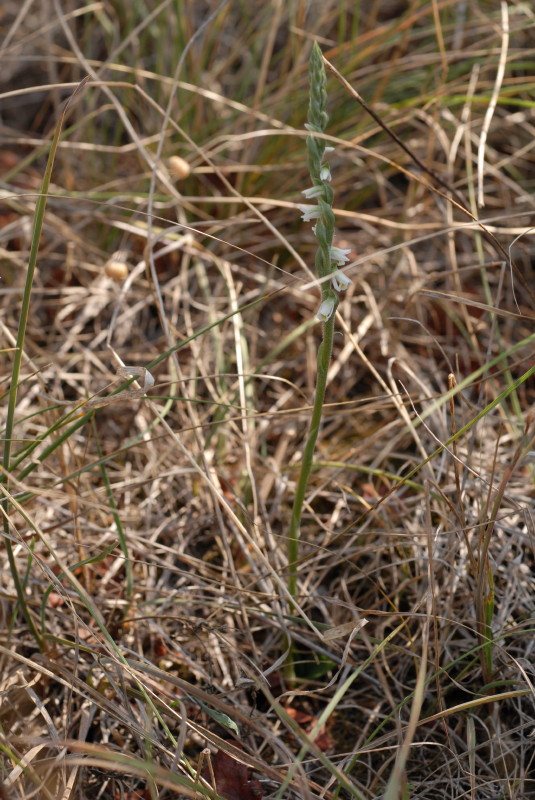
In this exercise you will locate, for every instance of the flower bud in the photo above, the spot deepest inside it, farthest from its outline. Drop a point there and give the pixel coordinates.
(116, 267)
(179, 168)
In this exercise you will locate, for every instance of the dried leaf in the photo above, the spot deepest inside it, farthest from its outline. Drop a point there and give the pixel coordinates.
(233, 780)
(323, 738)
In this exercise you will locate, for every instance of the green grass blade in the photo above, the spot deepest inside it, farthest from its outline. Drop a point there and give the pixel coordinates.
(17, 357)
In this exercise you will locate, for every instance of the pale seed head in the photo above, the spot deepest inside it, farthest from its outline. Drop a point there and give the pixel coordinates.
(178, 167)
(116, 267)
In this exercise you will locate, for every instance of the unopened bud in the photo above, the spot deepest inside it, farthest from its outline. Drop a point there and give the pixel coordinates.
(179, 168)
(116, 267)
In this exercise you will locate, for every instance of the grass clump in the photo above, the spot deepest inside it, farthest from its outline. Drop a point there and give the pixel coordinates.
(150, 552)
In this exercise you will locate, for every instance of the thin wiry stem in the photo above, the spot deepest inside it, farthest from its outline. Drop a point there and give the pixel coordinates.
(324, 357)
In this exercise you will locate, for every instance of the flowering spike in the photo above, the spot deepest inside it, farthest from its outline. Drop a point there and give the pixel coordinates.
(328, 257)
(317, 113)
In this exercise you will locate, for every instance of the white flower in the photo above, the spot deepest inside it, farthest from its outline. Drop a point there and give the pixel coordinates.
(325, 173)
(329, 150)
(314, 191)
(309, 213)
(325, 311)
(340, 281)
(339, 256)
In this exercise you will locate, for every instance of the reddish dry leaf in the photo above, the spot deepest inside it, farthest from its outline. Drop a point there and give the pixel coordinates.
(233, 780)
(8, 160)
(55, 600)
(159, 647)
(323, 738)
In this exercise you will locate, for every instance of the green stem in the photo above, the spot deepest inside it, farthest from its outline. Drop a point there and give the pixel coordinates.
(324, 358)
(17, 363)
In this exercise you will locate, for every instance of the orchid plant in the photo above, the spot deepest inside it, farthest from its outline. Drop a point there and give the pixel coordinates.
(328, 261)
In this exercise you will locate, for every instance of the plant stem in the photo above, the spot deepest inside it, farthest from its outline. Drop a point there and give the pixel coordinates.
(17, 362)
(324, 357)
(328, 259)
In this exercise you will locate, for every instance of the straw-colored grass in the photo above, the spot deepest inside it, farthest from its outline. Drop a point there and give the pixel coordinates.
(145, 603)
